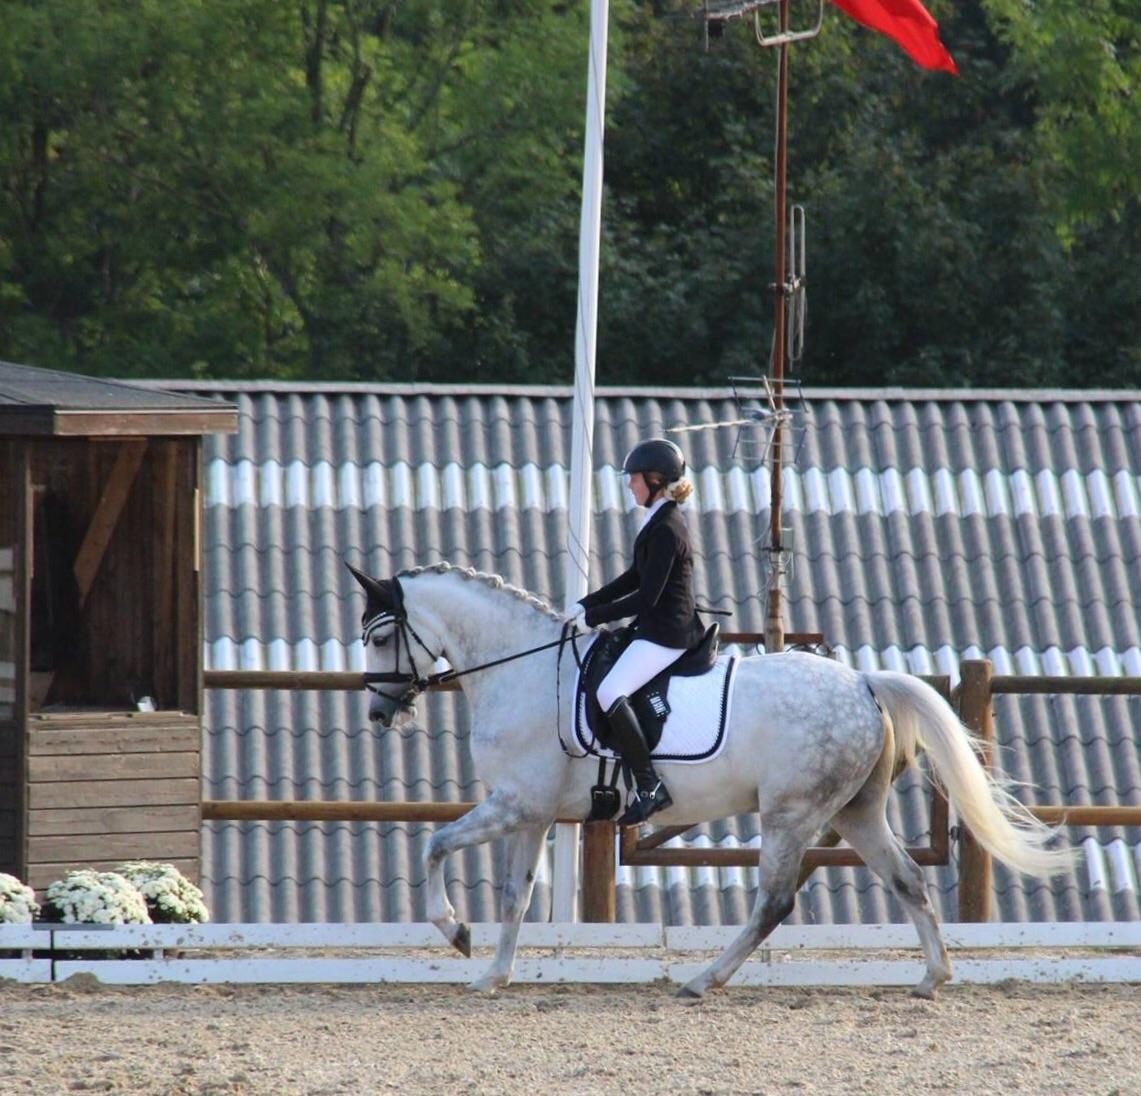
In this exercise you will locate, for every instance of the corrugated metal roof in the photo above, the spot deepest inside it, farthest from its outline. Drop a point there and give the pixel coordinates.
(34, 400)
(928, 527)
(26, 385)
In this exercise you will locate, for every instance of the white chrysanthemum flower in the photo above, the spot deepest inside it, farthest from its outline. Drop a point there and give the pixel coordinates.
(170, 897)
(95, 898)
(18, 905)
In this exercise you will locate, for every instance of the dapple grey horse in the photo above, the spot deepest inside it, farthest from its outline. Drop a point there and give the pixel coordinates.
(810, 743)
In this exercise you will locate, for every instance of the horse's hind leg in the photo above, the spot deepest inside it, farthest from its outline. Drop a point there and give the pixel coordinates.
(496, 816)
(866, 830)
(522, 859)
(781, 852)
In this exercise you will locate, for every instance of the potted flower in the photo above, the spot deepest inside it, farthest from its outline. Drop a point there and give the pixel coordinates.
(18, 905)
(170, 897)
(94, 898)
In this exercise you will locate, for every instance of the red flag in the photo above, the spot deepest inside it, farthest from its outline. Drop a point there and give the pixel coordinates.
(909, 23)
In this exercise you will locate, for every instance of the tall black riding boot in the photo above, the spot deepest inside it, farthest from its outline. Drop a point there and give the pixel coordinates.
(651, 795)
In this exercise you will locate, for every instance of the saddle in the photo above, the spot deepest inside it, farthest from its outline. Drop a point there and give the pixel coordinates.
(650, 702)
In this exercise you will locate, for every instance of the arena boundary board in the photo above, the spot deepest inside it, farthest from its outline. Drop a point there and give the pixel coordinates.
(795, 955)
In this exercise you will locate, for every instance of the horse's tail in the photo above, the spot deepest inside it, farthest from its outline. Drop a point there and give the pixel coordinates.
(922, 719)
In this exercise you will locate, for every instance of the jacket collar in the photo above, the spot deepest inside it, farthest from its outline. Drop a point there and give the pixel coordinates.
(648, 516)
(655, 514)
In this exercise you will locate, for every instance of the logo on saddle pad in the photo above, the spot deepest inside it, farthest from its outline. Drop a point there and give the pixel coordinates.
(684, 711)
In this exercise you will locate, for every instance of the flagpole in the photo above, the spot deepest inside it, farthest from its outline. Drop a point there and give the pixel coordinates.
(774, 619)
(564, 897)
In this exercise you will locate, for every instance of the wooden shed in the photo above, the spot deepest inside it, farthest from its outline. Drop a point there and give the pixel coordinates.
(100, 622)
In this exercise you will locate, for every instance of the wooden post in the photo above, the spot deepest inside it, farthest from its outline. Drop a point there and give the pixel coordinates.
(975, 869)
(599, 898)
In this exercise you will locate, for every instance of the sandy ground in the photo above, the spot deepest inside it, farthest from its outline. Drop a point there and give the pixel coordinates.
(79, 1036)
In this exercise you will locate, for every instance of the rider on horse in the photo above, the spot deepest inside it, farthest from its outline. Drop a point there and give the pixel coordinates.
(658, 590)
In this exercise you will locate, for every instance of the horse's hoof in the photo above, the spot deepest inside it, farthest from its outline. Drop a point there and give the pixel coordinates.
(462, 940)
(687, 993)
(486, 986)
(924, 991)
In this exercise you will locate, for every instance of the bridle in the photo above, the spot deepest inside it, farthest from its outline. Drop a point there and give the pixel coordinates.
(405, 634)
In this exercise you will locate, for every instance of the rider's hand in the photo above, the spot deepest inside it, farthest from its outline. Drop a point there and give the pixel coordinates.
(576, 615)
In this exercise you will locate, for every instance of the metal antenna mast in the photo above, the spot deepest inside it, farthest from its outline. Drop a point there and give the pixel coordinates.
(786, 290)
(774, 615)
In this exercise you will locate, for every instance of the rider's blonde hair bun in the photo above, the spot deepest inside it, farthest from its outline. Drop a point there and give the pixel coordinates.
(679, 490)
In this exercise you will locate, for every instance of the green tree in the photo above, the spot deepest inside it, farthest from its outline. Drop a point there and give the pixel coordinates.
(507, 128)
(935, 255)
(1081, 64)
(359, 189)
(687, 250)
(936, 259)
(249, 187)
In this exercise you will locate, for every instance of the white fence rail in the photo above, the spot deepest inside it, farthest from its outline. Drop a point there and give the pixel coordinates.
(795, 955)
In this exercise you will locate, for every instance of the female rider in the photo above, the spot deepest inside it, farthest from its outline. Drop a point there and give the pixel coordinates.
(658, 590)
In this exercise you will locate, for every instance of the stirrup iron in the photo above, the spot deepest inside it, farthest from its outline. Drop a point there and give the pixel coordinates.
(646, 802)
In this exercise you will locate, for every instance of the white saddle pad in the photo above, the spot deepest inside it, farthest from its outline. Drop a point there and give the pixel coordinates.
(696, 727)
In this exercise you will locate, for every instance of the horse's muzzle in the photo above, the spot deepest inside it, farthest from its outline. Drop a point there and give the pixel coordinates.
(389, 713)
(378, 710)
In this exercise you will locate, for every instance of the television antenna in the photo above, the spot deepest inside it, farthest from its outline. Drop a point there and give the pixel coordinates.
(757, 418)
(766, 419)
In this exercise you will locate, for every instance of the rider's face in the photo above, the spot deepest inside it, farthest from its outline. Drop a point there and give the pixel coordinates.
(639, 488)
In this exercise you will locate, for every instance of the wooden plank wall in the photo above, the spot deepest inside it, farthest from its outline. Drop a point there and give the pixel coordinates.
(9, 798)
(14, 505)
(107, 787)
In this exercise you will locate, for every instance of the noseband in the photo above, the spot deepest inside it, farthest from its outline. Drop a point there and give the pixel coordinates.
(404, 634)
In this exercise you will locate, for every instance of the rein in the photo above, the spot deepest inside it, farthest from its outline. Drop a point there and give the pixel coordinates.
(451, 675)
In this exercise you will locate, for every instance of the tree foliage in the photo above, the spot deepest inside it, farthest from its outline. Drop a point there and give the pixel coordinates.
(365, 190)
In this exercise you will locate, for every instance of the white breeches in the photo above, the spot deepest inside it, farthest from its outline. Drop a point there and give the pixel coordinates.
(640, 661)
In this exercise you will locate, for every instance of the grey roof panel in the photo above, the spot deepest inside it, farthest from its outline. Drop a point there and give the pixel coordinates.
(42, 402)
(29, 386)
(926, 528)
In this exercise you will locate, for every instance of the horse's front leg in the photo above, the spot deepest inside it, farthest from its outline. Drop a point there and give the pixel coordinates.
(496, 816)
(523, 859)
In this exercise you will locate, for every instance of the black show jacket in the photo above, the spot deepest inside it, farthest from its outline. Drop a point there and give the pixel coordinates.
(658, 589)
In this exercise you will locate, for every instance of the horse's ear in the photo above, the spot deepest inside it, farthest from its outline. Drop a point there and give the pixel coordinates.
(373, 587)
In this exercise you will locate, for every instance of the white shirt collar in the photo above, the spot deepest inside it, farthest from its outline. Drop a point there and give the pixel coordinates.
(652, 511)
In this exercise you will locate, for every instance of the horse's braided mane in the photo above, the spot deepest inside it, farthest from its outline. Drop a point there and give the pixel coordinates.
(496, 582)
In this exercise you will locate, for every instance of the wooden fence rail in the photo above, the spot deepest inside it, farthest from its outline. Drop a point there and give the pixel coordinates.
(977, 689)
(974, 696)
(329, 810)
(1028, 685)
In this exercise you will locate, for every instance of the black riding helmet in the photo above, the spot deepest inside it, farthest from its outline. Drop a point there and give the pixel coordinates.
(656, 455)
